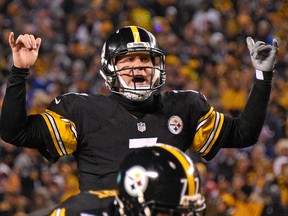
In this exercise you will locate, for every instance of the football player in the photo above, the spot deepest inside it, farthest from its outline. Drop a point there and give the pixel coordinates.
(166, 184)
(100, 130)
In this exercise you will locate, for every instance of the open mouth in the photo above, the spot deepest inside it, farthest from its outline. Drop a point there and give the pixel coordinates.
(139, 80)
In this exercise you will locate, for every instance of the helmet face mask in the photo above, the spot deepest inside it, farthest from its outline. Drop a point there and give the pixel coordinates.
(166, 184)
(132, 40)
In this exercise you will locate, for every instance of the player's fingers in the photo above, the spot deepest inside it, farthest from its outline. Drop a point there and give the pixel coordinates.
(263, 47)
(32, 41)
(38, 43)
(11, 39)
(25, 40)
(21, 40)
(250, 43)
(275, 42)
(29, 41)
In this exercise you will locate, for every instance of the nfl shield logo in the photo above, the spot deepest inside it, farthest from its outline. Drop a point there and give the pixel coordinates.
(141, 126)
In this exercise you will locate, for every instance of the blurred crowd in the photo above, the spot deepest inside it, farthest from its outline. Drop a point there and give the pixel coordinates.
(205, 47)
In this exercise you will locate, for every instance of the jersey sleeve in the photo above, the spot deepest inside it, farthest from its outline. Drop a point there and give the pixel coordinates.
(208, 131)
(62, 133)
(244, 130)
(49, 132)
(13, 114)
(216, 130)
(58, 132)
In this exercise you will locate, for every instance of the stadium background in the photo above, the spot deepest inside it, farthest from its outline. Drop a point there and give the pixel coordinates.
(205, 46)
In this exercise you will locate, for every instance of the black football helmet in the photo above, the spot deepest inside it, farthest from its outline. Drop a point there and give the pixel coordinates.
(126, 40)
(159, 179)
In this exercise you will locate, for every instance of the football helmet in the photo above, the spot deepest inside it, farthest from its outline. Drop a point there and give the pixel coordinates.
(128, 40)
(159, 179)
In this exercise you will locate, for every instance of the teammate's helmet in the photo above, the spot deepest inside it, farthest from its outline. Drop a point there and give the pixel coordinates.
(159, 179)
(131, 39)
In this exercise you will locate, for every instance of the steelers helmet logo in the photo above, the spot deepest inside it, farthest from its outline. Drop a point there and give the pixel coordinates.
(135, 181)
(175, 124)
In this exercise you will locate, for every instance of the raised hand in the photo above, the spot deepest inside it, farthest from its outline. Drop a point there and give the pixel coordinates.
(24, 50)
(263, 56)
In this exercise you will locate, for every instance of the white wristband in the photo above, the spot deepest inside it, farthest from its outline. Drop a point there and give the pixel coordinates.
(259, 75)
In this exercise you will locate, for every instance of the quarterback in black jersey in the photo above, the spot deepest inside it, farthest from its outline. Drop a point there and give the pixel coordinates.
(100, 130)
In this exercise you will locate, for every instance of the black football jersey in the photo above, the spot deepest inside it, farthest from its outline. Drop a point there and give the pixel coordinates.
(100, 130)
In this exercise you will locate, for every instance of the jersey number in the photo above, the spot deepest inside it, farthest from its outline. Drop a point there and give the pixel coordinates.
(142, 142)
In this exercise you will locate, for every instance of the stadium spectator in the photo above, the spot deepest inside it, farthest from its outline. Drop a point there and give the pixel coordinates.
(15, 15)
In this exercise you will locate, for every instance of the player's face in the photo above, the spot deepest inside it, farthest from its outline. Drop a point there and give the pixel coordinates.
(134, 69)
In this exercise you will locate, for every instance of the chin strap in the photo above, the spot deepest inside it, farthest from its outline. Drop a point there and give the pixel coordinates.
(141, 200)
(197, 201)
(136, 93)
(121, 206)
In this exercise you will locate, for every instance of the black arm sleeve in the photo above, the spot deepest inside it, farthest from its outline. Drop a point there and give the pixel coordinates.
(14, 113)
(244, 130)
(15, 126)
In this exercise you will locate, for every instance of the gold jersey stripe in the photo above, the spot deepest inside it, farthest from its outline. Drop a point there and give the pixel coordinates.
(103, 193)
(136, 34)
(62, 131)
(215, 130)
(59, 212)
(186, 163)
(208, 131)
(51, 129)
(204, 118)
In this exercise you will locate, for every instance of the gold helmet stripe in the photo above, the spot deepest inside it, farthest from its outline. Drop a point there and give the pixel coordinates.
(136, 34)
(186, 163)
